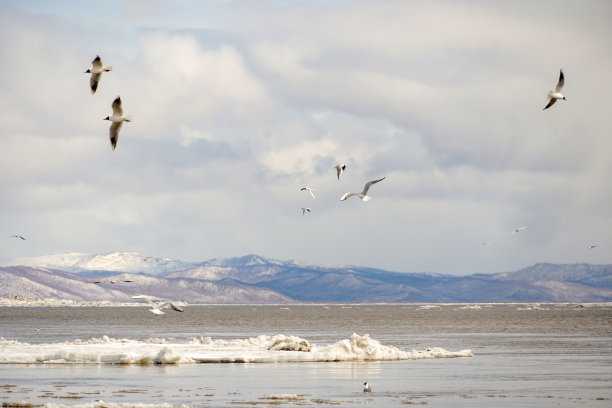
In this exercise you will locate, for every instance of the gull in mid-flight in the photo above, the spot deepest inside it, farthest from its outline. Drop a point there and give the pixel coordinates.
(18, 236)
(117, 118)
(485, 243)
(310, 190)
(156, 309)
(304, 209)
(112, 281)
(339, 169)
(517, 230)
(553, 96)
(364, 194)
(592, 246)
(96, 71)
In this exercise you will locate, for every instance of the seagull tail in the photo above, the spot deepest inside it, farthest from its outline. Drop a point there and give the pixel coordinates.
(108, 69)
(127, 118)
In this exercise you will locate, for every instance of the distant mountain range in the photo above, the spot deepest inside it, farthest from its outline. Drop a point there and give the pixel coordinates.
(255, 279)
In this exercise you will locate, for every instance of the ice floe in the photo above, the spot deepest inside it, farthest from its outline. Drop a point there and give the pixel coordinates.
(260, 349)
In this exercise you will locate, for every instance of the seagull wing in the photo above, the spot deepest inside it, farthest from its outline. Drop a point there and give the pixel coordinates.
(114, 133)
(171, 305)
(117, 109)
(550, 103)
(561, 81)
(97, 63)
(369, 184)
(347, 195)
(93, 82)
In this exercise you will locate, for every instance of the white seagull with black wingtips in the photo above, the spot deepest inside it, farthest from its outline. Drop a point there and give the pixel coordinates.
(157, 309)
(96, 72)
(364, 194)
(553, 96)
(339, 169)
(117, 118)
(310, 190)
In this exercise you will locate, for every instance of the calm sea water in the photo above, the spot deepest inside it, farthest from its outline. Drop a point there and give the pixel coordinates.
(524, 356)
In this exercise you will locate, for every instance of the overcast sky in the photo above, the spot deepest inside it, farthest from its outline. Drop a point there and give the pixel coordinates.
(238, 104)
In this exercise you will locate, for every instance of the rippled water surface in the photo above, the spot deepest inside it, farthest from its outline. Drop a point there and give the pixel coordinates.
(524, 355)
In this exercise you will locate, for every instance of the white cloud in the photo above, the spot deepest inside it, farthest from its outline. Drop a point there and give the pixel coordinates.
(237, 104)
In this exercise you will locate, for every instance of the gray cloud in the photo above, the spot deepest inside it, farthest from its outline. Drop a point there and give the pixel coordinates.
(237, 105)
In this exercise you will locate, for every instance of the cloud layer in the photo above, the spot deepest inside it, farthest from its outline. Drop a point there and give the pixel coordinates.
(237, 105)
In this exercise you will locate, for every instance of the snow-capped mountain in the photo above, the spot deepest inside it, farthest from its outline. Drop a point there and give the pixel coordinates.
(289, 281)
(112, 262)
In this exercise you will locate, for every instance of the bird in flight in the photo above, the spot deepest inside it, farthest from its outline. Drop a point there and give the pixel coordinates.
(117, 118)
(310, 190)
(156, 309)
(113, 281)
(485, 243)
(339, 169)
(18, 236)
(304, 209)
(364, 194)
(96, 72)
(553, 96)
(517, 230)
(592, 246)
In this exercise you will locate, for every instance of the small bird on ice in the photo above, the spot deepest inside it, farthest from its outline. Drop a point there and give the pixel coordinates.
(117, 118)
(366, 387)
(553, 96)
(517, 230)
(157, 309)
(96, 72)
(364, 194)
(18, 236)
(339, 169)
(310, 190)
(304, 209)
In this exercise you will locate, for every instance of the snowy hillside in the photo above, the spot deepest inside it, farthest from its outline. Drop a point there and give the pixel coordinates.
(114, 262)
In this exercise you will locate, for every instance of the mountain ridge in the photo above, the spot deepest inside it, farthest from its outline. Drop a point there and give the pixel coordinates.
(256, 279)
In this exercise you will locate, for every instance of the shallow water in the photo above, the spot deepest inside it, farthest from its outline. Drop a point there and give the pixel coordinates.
(524, 355)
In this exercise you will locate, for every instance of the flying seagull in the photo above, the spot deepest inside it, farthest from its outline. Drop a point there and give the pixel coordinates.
(366, 387)
(309, 190)
(18, 236)
(517, 230)
(304, 209)
(485, 243)
(363, 195)
(156, 309)
(112, 281)
(592, 246)
(553, 96)
(96, 72)
(117, 118)
(339, 169)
